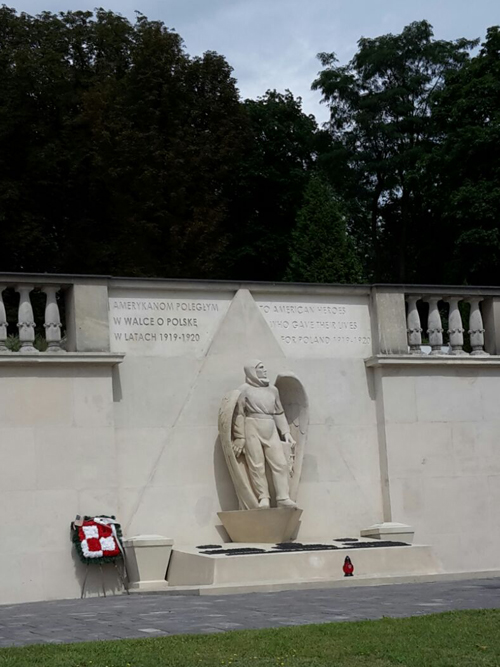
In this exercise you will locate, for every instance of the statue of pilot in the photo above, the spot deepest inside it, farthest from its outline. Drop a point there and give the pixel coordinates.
(259, 430)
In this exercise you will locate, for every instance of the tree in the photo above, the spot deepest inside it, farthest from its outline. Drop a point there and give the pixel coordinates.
(321, 250)
(117, 149)
(276, 159)
(380, 104)
(464, 169)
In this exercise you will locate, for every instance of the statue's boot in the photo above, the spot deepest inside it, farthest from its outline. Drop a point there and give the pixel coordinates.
(286, 502)
(264, 503)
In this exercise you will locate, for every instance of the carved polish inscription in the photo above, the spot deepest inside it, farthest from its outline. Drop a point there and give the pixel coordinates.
(165, 326)
(320, 327)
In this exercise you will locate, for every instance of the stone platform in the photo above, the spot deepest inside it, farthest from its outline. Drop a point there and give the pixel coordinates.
(244, 569)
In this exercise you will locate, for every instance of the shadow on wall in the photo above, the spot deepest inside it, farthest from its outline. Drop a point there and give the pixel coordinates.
(116, 384)
(228, 500)
(226, 494)
(99, 579)
(370, 381)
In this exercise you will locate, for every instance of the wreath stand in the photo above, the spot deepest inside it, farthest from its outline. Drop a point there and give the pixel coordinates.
(120, 576)
(98, 540)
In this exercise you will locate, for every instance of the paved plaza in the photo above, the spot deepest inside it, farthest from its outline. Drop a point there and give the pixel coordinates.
(160, 615)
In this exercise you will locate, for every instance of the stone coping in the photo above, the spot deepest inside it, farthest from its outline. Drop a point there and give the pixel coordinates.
(66, 280)
(180, 284)
(230, 286)
(61, 358)
(381, 360)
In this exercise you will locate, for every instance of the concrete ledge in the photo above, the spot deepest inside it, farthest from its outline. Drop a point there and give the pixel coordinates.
(65, 358)
(427, 360)
(148, 586)
(351, 582)
(189, 567)
(390, 530)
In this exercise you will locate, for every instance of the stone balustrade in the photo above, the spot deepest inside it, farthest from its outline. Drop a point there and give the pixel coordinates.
(461, 323)
(431, 332)
(26, 320)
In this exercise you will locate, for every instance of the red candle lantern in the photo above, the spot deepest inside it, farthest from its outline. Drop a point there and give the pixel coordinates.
(348, 567)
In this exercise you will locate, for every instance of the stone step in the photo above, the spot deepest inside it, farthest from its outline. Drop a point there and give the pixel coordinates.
(189, 567)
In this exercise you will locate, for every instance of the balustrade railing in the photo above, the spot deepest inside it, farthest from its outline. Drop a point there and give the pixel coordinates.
(26, 326)
(445, 307)
(36, 309)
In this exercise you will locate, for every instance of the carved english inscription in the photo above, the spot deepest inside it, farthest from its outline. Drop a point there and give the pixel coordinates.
(320, 327)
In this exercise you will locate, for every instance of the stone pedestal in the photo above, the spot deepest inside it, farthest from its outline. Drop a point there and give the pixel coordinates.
(147, 561)
(218, 574)
(269, 526)
(390, 531)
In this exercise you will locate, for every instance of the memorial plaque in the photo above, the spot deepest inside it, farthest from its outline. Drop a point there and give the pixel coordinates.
(319, 326)
(167, 324)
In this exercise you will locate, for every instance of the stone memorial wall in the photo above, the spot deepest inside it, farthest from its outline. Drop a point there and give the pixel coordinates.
(124, 421)
(187, 352)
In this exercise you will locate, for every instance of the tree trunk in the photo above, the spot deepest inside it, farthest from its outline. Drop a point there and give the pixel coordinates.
(374, 231)
(402, 235)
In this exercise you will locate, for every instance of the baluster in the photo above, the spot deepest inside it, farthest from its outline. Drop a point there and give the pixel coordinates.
(413, 326)
(3, 323)
(456, 330)
(26, 323)
(435, 329)
(476, 329)
(52, 319)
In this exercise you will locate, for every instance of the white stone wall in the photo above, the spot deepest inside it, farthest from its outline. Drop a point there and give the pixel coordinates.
(58, 458)
(83, 433)
(443, 450)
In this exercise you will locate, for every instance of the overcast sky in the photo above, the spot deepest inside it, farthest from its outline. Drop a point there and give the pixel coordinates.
(273, 43)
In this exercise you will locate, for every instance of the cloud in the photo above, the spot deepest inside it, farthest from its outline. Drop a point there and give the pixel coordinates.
(273, 43)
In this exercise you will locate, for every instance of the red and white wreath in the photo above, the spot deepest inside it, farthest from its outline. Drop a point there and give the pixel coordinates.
(97, 539)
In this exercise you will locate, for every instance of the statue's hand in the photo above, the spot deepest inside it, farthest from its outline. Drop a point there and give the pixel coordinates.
(238, 446)
(289, 440)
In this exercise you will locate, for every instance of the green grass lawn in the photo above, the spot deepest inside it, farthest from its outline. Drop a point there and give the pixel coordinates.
(455, 639)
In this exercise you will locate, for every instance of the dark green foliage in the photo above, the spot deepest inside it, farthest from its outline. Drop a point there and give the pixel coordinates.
(380, 106)
(116, 148)
(121, 154)
(321, 251)
(465, 189)
(276, 160)
(14, 344)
